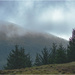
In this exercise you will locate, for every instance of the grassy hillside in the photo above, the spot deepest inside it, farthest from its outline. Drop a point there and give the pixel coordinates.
(67, 68)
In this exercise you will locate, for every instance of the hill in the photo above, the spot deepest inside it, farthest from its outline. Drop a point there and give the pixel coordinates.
(33, 42)
(67, 68)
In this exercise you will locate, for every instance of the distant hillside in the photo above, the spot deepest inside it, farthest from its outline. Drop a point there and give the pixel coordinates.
(67, 68)
(11, 34)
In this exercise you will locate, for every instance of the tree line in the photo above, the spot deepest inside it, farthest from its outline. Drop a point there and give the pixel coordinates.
(57, 54)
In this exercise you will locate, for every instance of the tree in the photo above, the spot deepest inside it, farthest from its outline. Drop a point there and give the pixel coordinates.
(60, 55)
(37, 60)
(71, 48)
(44, 57)
(53, 53)
(28, 61)
(18, 59)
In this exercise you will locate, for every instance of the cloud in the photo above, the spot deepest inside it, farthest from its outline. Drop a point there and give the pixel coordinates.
(56, 17)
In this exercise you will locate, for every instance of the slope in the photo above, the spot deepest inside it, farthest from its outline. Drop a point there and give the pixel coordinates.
(66, 68)
(33, 42)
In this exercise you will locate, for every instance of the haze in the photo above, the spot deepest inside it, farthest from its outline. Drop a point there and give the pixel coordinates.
(51, 16)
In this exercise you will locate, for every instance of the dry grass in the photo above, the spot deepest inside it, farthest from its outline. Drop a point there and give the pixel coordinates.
(67, 68)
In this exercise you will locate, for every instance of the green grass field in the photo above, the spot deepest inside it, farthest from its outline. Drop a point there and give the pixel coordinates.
(67, 68)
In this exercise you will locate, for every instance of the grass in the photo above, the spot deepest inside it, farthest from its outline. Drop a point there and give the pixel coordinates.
(66, 68)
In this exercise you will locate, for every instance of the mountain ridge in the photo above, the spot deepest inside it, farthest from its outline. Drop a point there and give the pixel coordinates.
(33, 42)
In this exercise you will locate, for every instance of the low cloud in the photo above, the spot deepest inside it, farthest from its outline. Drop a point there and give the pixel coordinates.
(56, 17)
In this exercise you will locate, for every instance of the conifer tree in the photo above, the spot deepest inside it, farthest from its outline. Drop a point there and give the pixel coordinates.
(37, 60)
(28, 61)
(71, 48)
(53, 53)
(60, 55)
(18, 59)
(44, 57)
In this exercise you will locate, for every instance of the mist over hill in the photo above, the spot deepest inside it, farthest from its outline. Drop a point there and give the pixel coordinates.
(33, 42)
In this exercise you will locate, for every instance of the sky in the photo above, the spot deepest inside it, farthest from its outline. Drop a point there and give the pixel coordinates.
(56, 17)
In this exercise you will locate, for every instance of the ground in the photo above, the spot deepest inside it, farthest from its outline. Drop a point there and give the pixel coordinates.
(66, 68)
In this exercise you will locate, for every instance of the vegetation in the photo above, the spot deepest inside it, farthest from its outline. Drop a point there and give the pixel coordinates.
(71, 48)
(37, 60)
(44, 57)
(53, 53)
(67, 68)
(18, 59)
(57, 55)
(60, 55)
